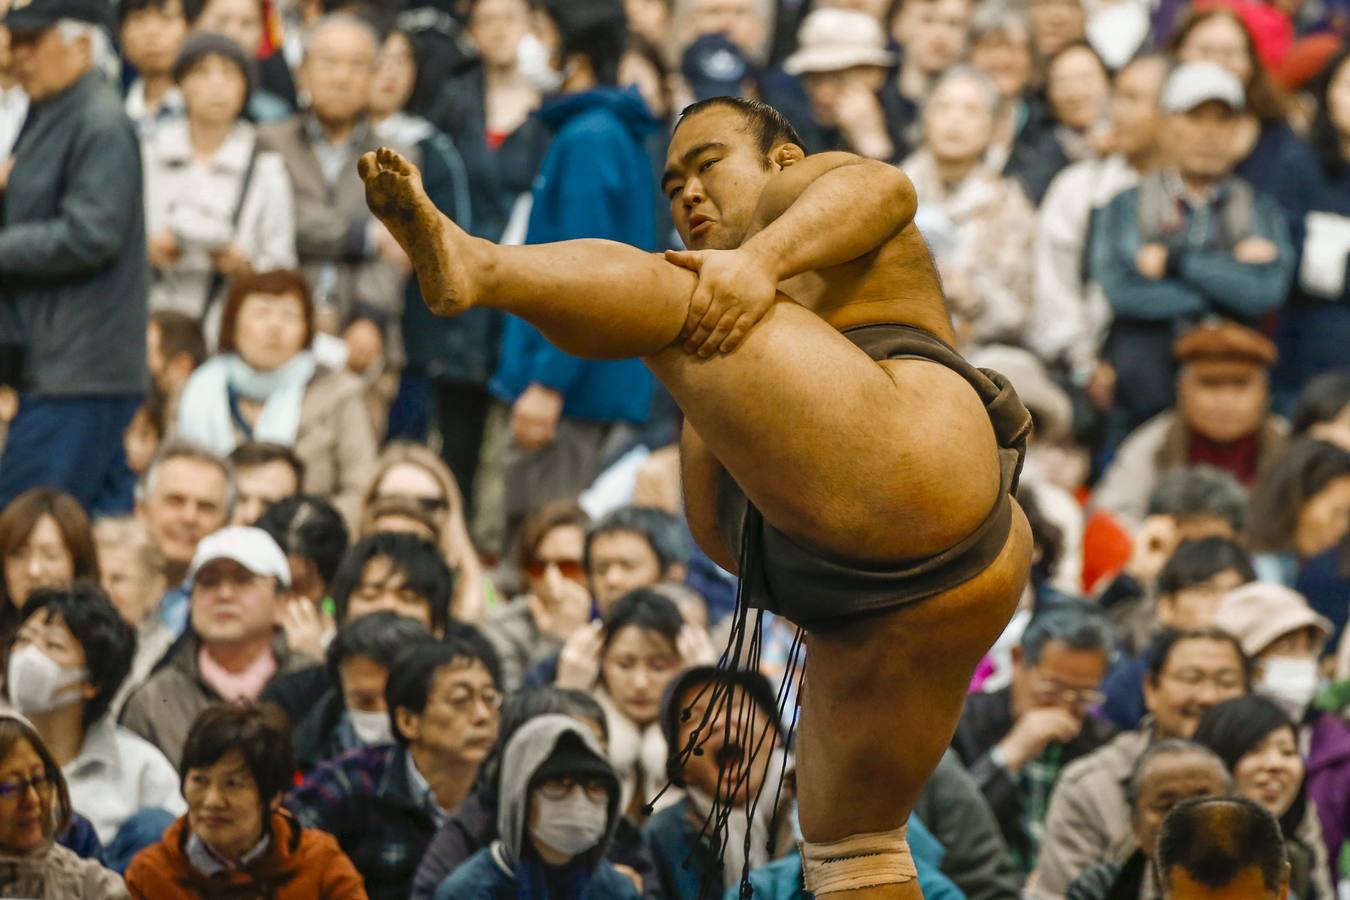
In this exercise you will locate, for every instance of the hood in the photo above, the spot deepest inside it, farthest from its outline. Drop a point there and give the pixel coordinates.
(532, 746)
(625, 104)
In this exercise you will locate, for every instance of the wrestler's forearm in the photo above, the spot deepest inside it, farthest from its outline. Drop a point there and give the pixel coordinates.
(844, 214)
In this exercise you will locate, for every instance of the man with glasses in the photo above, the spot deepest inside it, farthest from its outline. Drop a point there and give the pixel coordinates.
(239, 581)
(1015, 742)
(384, 803)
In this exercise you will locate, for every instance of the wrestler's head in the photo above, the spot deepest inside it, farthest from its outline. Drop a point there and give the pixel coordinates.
(723, 153)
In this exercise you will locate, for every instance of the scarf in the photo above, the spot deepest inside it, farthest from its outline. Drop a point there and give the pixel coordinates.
(638, 756)
(739, 824)
(244, 686)
(204, 411)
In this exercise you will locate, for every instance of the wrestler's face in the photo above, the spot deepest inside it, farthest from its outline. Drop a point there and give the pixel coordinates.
(735, 757)
(715, 173)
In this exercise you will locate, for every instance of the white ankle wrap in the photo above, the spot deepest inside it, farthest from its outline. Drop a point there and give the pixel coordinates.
(858, 861)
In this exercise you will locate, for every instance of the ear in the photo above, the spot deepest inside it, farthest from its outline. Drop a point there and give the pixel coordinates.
(409, 723)
(785, 155)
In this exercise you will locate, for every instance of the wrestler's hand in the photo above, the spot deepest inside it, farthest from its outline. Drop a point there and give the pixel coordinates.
(579, 662)
(735, 290)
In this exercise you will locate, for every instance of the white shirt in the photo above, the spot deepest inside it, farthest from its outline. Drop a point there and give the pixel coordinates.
(118, 774)
(13, 111)
(171, 106)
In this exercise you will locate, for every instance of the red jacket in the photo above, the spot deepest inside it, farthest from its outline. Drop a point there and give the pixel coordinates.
(300, 864)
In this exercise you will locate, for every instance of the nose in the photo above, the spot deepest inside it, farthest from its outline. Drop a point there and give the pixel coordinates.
(693, 193)
(34, 566)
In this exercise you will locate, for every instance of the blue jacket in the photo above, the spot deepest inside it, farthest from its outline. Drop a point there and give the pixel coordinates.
(596, 182)
(484, 877)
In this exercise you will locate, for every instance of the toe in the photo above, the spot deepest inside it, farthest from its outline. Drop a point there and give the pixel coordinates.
(367, 166)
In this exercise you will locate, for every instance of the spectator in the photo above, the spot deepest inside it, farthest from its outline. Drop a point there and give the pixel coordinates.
(1000, 47)
(932, 35)
(174, 348)
(354, 267)
(559, 808)
(400, 515)
(1259, 744)
(72, 259)
(1160, 262)
(151, 32)
(1088, 821)
(217, 205)
(397, 573)
(36, 808)
(533, 627)
(384, 803)
(1300, 507)
(1078, 88)
(313, 536)
(1169, 773)
(272, 95)
(234, 839)
(634, 547)
(1015, 742)
(66, 663)
(1283, 637)
(844, 64)
(352, 713)
(1221, 418)
(266, 474)
(132, 575)
(239, 582)
(1069, 313)
(187, 493)
(1055, 24)
(1212, 847)
(749, 24)
(974, 220)
(1323, 410)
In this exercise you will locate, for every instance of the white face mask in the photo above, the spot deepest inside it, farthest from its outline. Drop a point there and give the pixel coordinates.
(572, 825)
(37, 683)
(1291, 682)
(371, 727)
(535, 65)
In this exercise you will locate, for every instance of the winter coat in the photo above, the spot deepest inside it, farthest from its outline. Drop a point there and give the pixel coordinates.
(975, 855)
(488, 876)
(53, 872)
(1329, 782)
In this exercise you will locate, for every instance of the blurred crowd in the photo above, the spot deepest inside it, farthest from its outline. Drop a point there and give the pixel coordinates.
(308, 592)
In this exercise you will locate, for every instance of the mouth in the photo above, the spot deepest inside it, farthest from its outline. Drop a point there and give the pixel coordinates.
(699, 225)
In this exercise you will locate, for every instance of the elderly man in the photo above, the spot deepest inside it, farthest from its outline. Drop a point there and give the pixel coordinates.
(72, 258)
(1222, 419)
(240, 580)
(1190, 242)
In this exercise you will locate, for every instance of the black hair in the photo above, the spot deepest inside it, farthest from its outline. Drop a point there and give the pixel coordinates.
(595, 29)
(675, 706)
(179, 333)
(1234, 727)
(665, 533)
(262, 735)
(1321, 400)
(1200, 491)
(1168, 747)
(307, 525)
(765, 124)
(1169, 638)
(125, 8)
(1079, 625)
(1302, 471)
(109, 643)
(645, 608)
(252, 454)
(1215, 839)
(1197, 561)
(414, 671)
(1323, 136)
(381, 636)
(419, 562)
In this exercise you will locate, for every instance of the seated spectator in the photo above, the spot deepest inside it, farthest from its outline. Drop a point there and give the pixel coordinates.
(534, 626)
(234, 650)
(244, 22)
(1323, 410)
(844, 64)
(975, 221)
(1088, 821)
(932, 35)
(1222, 847)
(384, 803)
(141, 440)
(1300, 507)
(266, 385)
(1161, 264)
(174, 347)
(1259, 744)
(45, 542)
(132, 575)
(217, 206)
(67, 662)
(748, 23)
(187, 493)
(1000, 47)
(265, 473)
(313, 536)
(1169, 773)
(1015, 742)
(1078, 88)
(235, 840)
(732, 769)
(352, 713)
(151, 32)
(1282, 636)
(558, 809)
(1222, 419)
(34, 809)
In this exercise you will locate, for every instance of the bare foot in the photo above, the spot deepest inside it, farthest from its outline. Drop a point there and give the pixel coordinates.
(440, 252)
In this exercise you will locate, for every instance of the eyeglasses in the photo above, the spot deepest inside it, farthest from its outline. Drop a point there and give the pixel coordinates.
(461, 700)
(17, 787)
(571, 569)
(1050, 692)
(561, 788)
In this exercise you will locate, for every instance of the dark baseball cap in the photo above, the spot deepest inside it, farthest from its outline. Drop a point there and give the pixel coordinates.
(28, 16)
(715, 67)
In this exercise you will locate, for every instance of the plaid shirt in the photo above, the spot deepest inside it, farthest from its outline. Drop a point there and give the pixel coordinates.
(1035, 781)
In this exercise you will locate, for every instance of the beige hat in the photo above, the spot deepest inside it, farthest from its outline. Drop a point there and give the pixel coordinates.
(831, 40)
(1262, 612)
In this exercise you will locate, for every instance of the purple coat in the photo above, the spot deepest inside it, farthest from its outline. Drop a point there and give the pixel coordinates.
(1329, 782)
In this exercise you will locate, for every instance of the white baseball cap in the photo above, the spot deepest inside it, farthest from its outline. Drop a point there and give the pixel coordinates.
(832, 40)
(1192, 84)
(252, 548)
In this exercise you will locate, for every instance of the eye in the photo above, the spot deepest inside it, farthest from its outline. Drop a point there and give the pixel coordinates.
(708, 165)
(675, 191)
